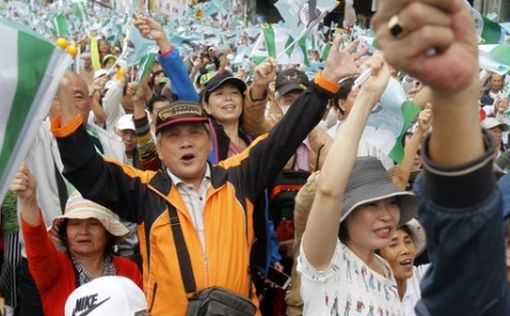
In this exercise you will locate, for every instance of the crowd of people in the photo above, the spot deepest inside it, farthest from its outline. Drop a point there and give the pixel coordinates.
(211, 189)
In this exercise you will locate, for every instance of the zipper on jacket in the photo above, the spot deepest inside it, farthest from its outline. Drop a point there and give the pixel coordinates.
(206, 264)
(154, 291)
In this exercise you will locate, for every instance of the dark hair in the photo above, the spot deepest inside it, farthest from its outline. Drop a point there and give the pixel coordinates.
(407, 230)
(157, 98)
(343, 93)
(153, 77)
(110, 242)
(343, 233)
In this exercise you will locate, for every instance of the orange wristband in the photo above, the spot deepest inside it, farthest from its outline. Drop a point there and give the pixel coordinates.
(326, 84)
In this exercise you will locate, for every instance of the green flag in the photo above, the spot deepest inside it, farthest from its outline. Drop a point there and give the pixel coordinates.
(30, 70)
(60, 25)
(492, 33)
(269, 38)
(144, 67)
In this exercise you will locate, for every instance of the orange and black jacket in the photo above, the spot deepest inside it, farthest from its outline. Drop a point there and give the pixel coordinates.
(230, 223)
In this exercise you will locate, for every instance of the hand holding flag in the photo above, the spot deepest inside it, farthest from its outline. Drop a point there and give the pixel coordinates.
(152, 30)
(377, 80)
(265, 73)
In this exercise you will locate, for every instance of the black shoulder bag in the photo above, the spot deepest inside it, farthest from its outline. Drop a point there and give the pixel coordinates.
(213, 301)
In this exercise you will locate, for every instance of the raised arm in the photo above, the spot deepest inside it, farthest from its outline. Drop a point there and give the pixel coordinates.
(320, 236)
(108, 183)
(402, 172)
(23, 186)
(268, 155)
(42, 255)
(146, 145)
(442, 52)
(169, 58)
(95, 93)
(460, 206)
(253, 120)
(112, 101)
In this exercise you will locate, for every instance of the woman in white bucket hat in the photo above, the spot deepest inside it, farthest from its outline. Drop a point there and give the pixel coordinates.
(87, 232)
(408, 242)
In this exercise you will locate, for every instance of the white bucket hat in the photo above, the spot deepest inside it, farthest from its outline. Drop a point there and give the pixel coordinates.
(107, 296)
(79, 208)
(491, 122)
(417, 235)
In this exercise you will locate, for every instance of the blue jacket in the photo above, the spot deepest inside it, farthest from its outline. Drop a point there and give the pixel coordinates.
(461, 210)
(178, 74)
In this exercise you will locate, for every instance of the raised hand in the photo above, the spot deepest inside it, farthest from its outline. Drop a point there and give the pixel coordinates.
(23, 186)
(265, 73)
(151, 29)
(97, 87)
(65, 98)
(340, 64)
(438, 44)
(377, 82)
(425, 119)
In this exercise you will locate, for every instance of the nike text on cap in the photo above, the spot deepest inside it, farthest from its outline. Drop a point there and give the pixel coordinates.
(107, 296)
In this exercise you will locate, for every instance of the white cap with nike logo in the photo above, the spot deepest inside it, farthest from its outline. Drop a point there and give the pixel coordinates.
(107, 296)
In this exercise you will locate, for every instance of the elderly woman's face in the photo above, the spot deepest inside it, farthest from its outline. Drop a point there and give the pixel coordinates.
(400, 254)
(86, 237)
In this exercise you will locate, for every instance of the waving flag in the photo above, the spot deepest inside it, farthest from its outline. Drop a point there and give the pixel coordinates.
(136, 47)
(277, 39)
(80, 10)
(390, 120)
(144, 68)
(30, 69)
(489, 32)
(60, 25)
(495, 58)
(299, 14)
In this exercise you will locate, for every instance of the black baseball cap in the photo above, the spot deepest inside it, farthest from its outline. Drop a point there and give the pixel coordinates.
(291, 79)
(219, 80)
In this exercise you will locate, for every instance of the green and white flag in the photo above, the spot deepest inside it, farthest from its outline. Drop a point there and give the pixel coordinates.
(60, 25)
(30, 70)
(390, 120)
(80, 10)
(325, 50)
(489, 32)
(275, 42)
(144, 67)
(495, 58)
(492, 32)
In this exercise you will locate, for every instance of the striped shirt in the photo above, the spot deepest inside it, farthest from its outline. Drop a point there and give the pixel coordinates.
(194, 200)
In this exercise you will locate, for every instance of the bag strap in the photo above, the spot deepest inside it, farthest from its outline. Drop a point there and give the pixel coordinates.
(63, 195)
(187, 276)
(182, 252)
